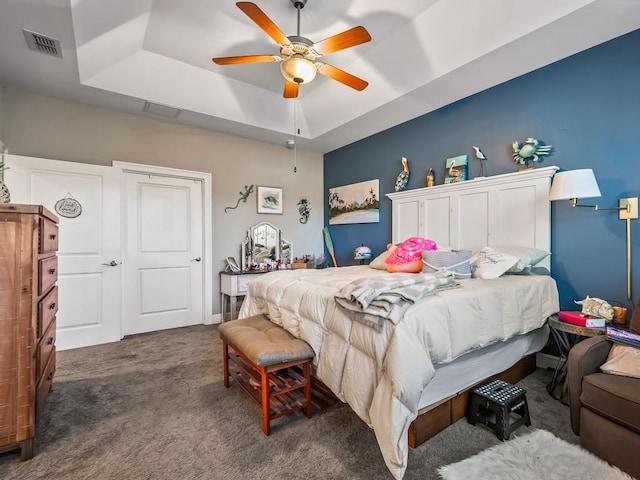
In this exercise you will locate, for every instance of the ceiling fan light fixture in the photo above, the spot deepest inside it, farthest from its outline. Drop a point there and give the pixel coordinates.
(297, 69)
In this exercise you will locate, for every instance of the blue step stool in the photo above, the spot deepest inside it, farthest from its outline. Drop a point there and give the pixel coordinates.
(501, 406)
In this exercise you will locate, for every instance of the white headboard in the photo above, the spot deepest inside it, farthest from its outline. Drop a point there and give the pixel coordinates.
(509, 209)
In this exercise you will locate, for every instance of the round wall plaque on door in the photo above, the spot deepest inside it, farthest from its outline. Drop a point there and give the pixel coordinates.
(68, 207)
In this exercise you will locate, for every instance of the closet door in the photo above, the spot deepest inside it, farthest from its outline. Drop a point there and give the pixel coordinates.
(89, 279)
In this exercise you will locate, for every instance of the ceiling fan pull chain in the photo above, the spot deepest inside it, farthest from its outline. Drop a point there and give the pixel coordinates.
(295, 131)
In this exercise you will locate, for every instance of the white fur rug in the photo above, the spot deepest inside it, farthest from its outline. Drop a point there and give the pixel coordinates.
(537, 455)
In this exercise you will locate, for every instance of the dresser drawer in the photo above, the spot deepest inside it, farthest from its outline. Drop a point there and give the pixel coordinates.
(243, 282)
(47, 309)
(44, 385)
(48, 236)
(47, 273)
(45, 349)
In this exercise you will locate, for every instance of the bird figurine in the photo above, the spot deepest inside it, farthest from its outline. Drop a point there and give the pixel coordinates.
(403, 176)
(483, 159)
(431, 179)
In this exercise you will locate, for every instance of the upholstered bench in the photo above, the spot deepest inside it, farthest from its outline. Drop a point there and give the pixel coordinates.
(270, 364)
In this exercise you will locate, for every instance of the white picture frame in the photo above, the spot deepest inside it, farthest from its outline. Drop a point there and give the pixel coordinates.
(269, 200)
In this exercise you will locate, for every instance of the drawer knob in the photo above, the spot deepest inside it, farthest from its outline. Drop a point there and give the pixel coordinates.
(52, 305)
(50, 341)
(52, 271)
(52, 236)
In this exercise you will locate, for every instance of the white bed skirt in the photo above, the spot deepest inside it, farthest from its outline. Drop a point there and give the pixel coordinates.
(457, 376)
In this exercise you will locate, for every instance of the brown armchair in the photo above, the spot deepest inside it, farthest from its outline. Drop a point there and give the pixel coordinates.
(605, 409)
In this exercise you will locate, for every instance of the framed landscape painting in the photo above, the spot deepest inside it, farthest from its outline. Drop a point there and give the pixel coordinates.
(269, 199)
(354, 203)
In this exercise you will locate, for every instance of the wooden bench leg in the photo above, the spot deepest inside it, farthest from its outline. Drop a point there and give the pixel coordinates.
(225, 361)
(266, 419)
(306, 371)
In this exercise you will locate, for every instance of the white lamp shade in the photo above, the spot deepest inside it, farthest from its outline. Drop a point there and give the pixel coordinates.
(574, 184)
(298, 70)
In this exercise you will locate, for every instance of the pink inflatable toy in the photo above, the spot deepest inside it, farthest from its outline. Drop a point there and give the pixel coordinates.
(407, 257)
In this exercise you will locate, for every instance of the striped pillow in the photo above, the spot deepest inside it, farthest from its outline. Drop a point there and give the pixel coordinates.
(457, 262)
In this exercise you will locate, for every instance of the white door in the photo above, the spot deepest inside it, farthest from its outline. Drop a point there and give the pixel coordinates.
(162, 255)
(89, 288)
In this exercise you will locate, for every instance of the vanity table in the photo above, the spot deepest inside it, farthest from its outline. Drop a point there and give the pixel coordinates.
(263, 245)
(232, 286)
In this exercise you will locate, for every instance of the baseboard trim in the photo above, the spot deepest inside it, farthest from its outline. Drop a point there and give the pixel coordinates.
(546, 361)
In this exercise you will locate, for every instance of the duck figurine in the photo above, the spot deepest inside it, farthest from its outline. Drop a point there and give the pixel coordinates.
(403, 176)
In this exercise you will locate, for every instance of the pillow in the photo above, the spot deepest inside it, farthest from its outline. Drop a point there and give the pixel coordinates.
(623, 360)
(456, 261)
(489, 263)
(529, 270)
(378, 262)
(527, 256)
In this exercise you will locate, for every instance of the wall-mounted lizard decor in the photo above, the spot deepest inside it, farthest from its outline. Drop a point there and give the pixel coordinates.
(243, 196)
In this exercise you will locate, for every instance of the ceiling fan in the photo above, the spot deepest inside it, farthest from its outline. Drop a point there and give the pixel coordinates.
(298, 54)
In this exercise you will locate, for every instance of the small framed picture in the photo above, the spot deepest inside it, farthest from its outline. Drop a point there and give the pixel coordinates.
(456, 169)
(269, 199)
(232, 265)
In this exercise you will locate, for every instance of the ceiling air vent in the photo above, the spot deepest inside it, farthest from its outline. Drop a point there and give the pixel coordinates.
(42, 43)
(161, 110)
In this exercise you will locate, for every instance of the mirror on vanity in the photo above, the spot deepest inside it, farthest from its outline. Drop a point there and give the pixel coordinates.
(265, 245)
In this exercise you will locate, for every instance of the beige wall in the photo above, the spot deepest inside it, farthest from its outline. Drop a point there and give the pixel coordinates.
(38, 126)
(1, 115)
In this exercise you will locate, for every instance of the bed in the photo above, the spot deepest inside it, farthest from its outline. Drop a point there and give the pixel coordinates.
(411, 377)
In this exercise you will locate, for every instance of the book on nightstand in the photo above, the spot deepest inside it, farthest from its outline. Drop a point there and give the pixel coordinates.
(623, 336)
(582, 320)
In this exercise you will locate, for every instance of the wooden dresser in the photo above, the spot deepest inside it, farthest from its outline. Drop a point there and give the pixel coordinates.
(28, 305)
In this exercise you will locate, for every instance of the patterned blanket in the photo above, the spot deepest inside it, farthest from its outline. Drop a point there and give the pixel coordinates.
(372, 300)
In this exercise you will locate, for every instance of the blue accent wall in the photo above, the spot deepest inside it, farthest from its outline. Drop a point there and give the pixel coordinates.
(586, 106)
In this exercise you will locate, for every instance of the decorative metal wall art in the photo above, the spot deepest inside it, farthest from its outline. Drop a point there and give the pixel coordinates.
(529, 153)
(243, 197)
(304, 209)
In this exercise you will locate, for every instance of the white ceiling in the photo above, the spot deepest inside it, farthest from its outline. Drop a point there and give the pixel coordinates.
(424, 54)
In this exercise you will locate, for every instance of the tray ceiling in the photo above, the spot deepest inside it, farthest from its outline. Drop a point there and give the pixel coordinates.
(424, 54)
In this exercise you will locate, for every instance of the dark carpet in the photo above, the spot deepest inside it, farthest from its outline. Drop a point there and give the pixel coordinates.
(153, 406)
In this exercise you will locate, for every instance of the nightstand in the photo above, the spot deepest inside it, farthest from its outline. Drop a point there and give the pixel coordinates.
(566, 335)
(232, 286)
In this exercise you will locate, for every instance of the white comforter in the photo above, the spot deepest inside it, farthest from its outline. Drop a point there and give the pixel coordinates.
(382, 375)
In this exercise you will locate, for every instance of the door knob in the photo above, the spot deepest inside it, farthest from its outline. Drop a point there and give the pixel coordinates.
(197, 259)
(112, 263)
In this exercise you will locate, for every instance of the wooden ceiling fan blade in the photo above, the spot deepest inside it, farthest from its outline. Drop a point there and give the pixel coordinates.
(290, 89)
(252, 11)
(246, 59)
(349, 38)
(342, 76)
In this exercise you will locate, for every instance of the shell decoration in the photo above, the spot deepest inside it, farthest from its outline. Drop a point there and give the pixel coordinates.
(403, 176)
(530, 152)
